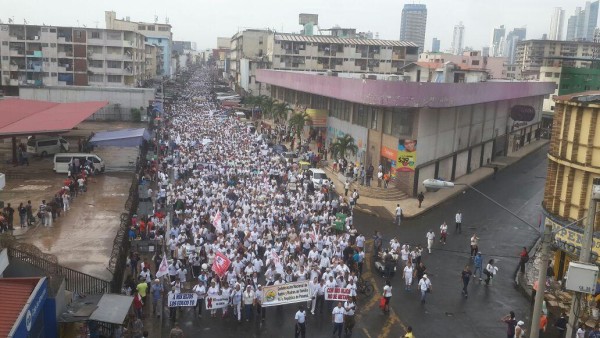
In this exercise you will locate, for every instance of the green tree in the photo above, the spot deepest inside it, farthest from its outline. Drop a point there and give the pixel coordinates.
(280, 111)
(297, 123)
(343, 146)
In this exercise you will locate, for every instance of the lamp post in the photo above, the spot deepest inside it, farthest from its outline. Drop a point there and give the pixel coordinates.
(585, 254)
(434, 185)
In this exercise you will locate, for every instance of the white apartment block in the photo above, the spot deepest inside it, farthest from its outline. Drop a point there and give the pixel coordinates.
(248, 53)
(531, 55)
(329, 53)
(33, 55)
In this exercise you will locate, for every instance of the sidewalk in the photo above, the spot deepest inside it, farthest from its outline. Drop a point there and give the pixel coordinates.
(410, 206)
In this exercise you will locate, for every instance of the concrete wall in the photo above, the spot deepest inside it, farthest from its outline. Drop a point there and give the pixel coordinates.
(121, 100)
(337, 128)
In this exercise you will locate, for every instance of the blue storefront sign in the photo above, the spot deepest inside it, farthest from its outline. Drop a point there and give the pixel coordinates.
(30, 321)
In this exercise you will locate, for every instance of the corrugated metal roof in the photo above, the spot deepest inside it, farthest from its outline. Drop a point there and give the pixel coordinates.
(345, 41)
(14, 294)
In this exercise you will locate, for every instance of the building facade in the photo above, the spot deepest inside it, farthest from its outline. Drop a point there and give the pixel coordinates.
(413, 24)
(322, 53)
(512, 41)
(154, 32)
(458, 39)
(497, 43)
(32, 55)
(573, 163)
(531, 55)
(435, 45)
(556, 24)
(417, 130)
(581, 25)
(474, 60)
(248, 53)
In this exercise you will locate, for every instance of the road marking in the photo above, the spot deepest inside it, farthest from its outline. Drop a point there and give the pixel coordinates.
(366, 332)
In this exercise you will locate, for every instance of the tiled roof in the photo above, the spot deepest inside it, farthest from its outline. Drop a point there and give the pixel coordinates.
(14, 294)
(345, 41)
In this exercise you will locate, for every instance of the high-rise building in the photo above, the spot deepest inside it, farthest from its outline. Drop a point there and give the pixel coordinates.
(435, 45)
(458, 39)
(414, 24)
(556, 24)
(581, 25)
(510, 45)
(496, 47)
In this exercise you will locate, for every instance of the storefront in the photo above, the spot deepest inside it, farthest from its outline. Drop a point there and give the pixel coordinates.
(388, 160)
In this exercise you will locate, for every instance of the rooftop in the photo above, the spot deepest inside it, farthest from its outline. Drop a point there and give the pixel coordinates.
(345, 41)
(589, 97)
(14, 294)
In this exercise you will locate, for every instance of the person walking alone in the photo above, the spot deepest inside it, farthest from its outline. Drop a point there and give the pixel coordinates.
(425, 287)
(443, 232)
(300, 317)
(458, 219)
(430, 236)
(337, 317)
(420, 198)
(398, 214)
(474, 245)
(387, 294)
(466, 278)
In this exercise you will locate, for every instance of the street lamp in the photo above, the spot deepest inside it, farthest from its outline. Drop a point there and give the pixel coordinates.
(434, 185)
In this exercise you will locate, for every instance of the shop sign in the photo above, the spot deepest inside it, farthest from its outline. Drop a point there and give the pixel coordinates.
(318, 117)
(569, 240)
(285, 293)
(407, 155)
(389, 153)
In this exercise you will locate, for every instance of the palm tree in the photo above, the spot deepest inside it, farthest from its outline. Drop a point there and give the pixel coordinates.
(280, 111)
(342, 146)
(266, 104)
(297, 123)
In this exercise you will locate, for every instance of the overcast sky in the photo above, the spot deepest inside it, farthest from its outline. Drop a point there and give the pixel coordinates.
(203, 20)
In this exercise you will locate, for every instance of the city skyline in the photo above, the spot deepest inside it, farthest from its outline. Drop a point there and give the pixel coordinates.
(203, 22)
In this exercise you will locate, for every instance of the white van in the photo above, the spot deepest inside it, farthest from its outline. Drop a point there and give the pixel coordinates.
(47, 145)
(62, 160)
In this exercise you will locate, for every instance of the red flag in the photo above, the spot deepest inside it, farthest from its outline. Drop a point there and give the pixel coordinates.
(220, 264)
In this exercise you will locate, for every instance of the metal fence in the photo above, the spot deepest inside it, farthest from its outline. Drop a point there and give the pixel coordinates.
(75, 281)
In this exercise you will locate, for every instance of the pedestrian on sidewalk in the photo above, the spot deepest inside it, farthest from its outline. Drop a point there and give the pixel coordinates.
(362, 175)
(249, 302)
(458, 219)
(420, 198)
(300, 317)
(398, 214)
(474, 245)
(443, 232)
(430, 236)
(425, 287)
(338, 319)
(523, 258)
(200, 290)
(596, 332)
(466, 278)
(561, 325)
(409, 332)
(478, 265)
(379, 178)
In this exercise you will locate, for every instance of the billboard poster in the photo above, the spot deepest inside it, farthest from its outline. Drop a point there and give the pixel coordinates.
(287, 293)
(407, 155)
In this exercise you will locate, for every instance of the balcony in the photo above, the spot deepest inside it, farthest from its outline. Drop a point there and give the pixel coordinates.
(13, 82)
(65, 54)
(17, 52)
(96, 70)
(14, 68)
(65, 69)
(116, 57)
(115, 71)
(64, 39)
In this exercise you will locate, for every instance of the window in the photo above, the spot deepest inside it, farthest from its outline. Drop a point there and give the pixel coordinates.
(475, 62)
(45, 74)
(52, 59)
(78, 34)
(96, 63)
(557, 75)
(44, 44)
(374, 116)
(5, 58)
(114, 78)
(95, 35)
(141, 27)
(63, 159)
(96, 78)
(159, 40)
(163, 29)
(4, 43)
(52, 45)
(44, 29)
(53, 74)
(398, 122)
(45, 59)
(52, 30)
(149, 28)
(113, 64)
(548, 74)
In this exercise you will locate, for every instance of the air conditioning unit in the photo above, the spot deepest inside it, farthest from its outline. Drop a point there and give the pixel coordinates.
(393, 78)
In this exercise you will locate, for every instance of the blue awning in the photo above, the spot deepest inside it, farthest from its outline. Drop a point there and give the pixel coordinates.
(120, 138)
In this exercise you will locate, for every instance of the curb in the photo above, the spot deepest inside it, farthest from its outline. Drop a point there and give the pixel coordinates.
(366, 210)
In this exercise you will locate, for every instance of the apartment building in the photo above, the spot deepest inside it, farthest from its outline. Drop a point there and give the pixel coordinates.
(33, 55)
(473, 60)
(155, 33)
(323, 53)
(248, 53)
(531, 55)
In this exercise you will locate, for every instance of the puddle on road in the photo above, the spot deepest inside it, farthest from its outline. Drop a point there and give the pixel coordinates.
(31, 187)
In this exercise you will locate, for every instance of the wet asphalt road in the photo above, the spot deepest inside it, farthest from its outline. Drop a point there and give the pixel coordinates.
(447, 313)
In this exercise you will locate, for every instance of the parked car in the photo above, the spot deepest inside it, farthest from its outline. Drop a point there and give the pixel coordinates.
(318, 177)
(47, 146)
(289, 157)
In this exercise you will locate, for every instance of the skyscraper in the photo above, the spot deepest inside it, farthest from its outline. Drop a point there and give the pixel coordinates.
(413, 24)
(458, 39)
(510, 45)
(556, 24)
(581, 25)
(496, 44)
(435, 45)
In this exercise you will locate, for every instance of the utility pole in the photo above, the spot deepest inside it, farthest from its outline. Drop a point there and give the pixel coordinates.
(539, 296)
(585, 255)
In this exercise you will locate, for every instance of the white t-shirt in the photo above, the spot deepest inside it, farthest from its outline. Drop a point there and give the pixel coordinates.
(398, 211)
(338, 314)
(424, 284)
(430, 235)
(300, 316)
(387, 291)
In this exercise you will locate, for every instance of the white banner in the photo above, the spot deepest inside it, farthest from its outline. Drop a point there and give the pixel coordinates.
(216, 302)
(182, 299)
(342, 294)
(285, 293)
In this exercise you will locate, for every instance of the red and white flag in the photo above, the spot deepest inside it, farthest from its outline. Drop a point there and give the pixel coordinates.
(217, 222)
(220, 264)
(277, 261)
(163, 269)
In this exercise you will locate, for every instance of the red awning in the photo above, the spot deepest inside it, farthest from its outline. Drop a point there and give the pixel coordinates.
(26, 117)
